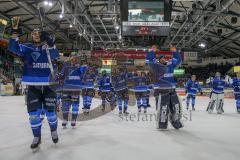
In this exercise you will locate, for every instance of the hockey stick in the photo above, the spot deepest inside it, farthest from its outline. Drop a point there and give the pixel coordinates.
(188, 108)
(45, 45)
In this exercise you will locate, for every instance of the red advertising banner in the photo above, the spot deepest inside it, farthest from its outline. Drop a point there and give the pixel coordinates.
(129, 54)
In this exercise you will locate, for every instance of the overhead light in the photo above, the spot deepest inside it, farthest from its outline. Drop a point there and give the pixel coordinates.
(61, 16)
(120, 37)
(50, 4)
(202, 45)
(70, 25)
(46, 3)
(80, 34)
(117, 27)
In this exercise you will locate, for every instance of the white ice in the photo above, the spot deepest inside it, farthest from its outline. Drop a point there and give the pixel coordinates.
(213, 137)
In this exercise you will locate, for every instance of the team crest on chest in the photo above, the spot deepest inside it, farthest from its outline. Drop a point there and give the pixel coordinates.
(35, 55)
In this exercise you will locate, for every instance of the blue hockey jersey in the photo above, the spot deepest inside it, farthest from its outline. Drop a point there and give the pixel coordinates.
(171, 65)
(218, 85)
(140, 84)
(236, 87)
(119, 82)
(89, 79)
(36, 69)
(192, 87)
(165, 72)
(104, 84)
(151, 57)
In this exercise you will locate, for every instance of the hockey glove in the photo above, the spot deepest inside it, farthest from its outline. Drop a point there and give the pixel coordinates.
(48, 38)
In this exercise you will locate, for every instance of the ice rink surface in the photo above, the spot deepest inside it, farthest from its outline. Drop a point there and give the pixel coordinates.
(211, 137)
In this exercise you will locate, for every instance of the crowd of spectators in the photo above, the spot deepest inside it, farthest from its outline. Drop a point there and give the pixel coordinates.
(205, 72)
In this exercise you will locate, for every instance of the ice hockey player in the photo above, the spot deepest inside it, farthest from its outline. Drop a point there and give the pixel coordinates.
(236, 88)
(120, 85)
(217, 94)
(88, 91)
(167, 101)
(37, 75)
(192, 87)
(105, 87)
(141, 90)
(70, 96)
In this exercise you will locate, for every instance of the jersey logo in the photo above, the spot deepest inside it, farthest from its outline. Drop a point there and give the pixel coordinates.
(35, 55)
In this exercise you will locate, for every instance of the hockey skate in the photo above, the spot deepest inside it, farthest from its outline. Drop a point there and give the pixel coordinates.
(139, 110)
(145, 110)
(35, 144)
(73, 123)
(238, 110)
(177, 124)
(103, 108)
(54, 136)
(120, 113)
(86, 111)
(125, 112)
(220, 111)
(112, 107)
(64, 124)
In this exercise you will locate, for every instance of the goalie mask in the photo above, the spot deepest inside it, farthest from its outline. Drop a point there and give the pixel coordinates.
(163, 60)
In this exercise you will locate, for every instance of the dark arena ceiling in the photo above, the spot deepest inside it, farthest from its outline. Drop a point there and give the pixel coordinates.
(93, 24)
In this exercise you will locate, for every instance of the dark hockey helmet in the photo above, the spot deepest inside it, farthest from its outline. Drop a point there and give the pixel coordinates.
(162, 59)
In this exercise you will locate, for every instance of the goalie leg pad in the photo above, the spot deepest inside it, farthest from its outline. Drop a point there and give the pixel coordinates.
(175, 111)
(163, 111)
(212, 102)
(220, 103)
